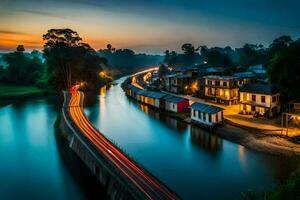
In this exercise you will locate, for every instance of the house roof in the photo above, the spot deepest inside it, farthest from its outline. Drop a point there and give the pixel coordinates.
(173, 99)
(134, 89)
(214, 77)
(206, 108)
(259, 89)
(244, 75)
(186, 68)
(179, 76)
(258, 69)
(151, 94)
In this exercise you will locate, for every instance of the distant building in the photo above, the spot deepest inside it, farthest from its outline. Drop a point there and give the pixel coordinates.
(150, 98)
(132, 91)
(222, 89)
(245, 77)
(178, 83)
(294, 106)
(175, 104)
(205, 71)
(206, 114)
(293, 112)
(260, 72)
(259, 99)
(190, 70)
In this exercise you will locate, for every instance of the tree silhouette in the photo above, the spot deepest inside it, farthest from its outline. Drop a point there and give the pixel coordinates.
(70, 60)
(20, 48)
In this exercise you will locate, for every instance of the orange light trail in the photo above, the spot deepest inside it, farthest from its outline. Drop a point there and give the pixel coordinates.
(141, 179)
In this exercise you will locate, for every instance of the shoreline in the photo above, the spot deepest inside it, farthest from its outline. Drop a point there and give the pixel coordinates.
(252, 138)
(258, 141)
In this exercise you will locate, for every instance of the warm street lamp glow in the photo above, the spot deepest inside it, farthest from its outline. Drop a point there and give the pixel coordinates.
(194, 86)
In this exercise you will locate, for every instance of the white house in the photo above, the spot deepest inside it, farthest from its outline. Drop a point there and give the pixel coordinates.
(259, 99)
(206, 114)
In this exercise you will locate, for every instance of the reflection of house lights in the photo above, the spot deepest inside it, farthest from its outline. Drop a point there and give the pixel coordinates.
(298, 118)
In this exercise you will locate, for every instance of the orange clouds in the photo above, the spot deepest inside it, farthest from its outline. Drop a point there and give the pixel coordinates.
(9, 40)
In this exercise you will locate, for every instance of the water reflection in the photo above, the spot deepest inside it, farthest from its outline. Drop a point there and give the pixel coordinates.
(33, 163)
(206, 141)
(188, 159)
(163, 117)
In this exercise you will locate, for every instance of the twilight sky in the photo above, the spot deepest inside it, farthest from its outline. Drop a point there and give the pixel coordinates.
(149, 25)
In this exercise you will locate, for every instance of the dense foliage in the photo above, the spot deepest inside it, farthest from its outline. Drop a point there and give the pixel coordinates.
(281, 59)
(70, 61)
(124, 61)
(284, 70)
(21, 69)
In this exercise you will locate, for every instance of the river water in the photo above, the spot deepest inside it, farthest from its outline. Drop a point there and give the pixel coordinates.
(194, 163)
(36, 164)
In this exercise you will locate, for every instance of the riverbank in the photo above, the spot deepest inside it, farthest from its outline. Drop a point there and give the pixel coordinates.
(12, 93)
(257, 140)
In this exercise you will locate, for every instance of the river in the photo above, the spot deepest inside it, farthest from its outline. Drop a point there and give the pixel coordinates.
(194, 163)
(36, 164)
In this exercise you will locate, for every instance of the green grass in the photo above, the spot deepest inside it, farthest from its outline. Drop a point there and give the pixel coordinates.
(289, 190)
(8, 92)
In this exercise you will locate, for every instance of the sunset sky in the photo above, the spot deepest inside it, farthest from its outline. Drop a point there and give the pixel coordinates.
(149, 26)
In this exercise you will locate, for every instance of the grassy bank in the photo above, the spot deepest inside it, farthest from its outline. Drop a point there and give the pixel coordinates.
(9, 93)
(289, 190)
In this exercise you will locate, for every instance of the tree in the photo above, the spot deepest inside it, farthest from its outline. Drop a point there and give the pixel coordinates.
(280, 44)
(218, 59)
(20, 48)
(70, 61)
(162, 70)
(252, 54)
(188, 49)
(22, 69)
(284, 71)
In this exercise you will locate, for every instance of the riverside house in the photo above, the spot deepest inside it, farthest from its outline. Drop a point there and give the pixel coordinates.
(132, 91)
(262, 100)
(222, 89)
(206, 114)
(178, 83)
(176, 104)
(150, 98)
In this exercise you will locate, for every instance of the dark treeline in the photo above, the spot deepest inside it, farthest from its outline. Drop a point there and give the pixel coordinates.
(281, 59)
(64, 62)
(125, 61)
(22, 68)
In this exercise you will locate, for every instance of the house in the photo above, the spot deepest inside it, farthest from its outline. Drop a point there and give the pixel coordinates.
(206, 114)
(178, 83)
(190, 70)
(259, 99)
(175, 104)
(294, 106)
(246, 77)
(222, 89)
(150, 98)
(132, 91)
(293, 111)
(260, 72)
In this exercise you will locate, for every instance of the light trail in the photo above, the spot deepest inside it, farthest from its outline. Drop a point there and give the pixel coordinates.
(146, 183)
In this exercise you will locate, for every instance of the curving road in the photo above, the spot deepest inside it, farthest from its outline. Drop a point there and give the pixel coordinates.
(146, 183)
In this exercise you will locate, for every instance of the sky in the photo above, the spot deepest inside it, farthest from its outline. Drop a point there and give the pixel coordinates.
(150, 26)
